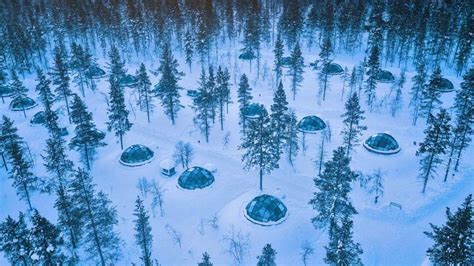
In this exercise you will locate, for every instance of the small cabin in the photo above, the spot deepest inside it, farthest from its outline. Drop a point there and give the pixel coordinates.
(168, 167)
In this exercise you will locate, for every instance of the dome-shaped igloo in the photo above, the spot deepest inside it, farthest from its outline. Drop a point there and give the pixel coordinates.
(333, 69)
(22, 103)
(266, 210)
(382, 143)
(136, 155)
(6, 91)
(446, 85)
(311, 124)
(96, 72)
(254, 110)
(128, 80)
(195, 178)
(385, 76)
(38, 118)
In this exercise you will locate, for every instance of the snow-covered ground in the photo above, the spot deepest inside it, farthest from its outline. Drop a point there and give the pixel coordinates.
(389, 236)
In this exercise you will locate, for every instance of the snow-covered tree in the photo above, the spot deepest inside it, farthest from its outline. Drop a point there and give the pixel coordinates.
(352, 123)
(244, 97)
(278, 52)
(46, 241)
(222, 93)
(432, 93)
(15, 240)
(454, 241)
(87, 138)
(145, 93)
(69, 221)
(373, 71)
(206, 260)
(18, 88)
(259, 146)
(342, 250)
(60, 75)
(143, 236)
(267, 258)
(80, 63)
(296, 69)
(189, 48)
(157, 193)
(167, 88)
(116, 65)
(332, 201)
(291, 144)
(417, 89)
(8, 136)
(98, 219)
(203, 106)
(47, 97)
(324, 55)
(434, 146)
(183, 154)
(118, 113)
(279, 118)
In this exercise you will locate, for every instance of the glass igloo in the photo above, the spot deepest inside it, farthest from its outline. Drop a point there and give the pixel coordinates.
(136, 155)
(382, 143)
(128, 80)
(254, 110)
(6, 91)
(266, 210)
(96, 72)
(247, 55)
(311, 124)
(385, 76)
(38, 118)
(22, 103)
(333, 69)
(195, 178)
(446, 85)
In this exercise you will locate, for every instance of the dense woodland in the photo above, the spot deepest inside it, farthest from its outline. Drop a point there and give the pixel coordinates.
(60, 42)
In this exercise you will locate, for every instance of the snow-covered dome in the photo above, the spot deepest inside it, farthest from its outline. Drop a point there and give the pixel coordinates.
(385, 76)
(311, 124)
(22, 103)
(266, 210)
(136, 155)
(382, 143)
(6, 91)
(38, 118)
(333, 69)
(254, 110)
(96, 72)
(446, 85)
(128, 80)
(195, 178)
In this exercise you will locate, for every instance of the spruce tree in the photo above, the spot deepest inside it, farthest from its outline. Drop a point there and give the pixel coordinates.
(116, 66)
(206, 260)
(46, 241)
(244, 97)
(211, 87)
(332, 201)
(454, 241)
(47, 98)
(8, 136)
(437, 139)
(259, 146)
(145, 93)
(296, 69)
(278, 52)
(98, 219)
(81, 62)
(222, 93)
(60, 75)
(419, 85)
(15, 241)
(202, 105)
(189, 48)
(87, 138)
(431, 93)
(279, 118)
(373, 71)
(342, 250)
(324, 54)
(118, 113)
(352, 119)
(167, 88)
(143, 236)
(268, 256)
(292, 140)
(18, 88)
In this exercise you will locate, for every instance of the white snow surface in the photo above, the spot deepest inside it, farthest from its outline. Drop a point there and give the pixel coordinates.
(388, 236)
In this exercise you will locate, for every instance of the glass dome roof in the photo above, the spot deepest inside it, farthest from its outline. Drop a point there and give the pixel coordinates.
(311, 124)
(333, 69)
(128, 80)
(22, 103)
(446, 85)
(6, 91)
(254, 110)
(266, 210)
(382, 143)
(38, 118)
(96, 72)
(136, 155)
(195, 178)
(385, 76)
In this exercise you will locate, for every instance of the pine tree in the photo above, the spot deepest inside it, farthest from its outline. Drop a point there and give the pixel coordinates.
(296, 69)
(352, 119)
(60, 75)
(244, 97)
(15, 241)
(465, 43)
(291, 144)
(47, 98)
(222, 93)
(46, 240)
(211, 88)
(324, 54)
(143, 236)
(87, 138)
(454, 241)
(259, 146)
(98, 219)
(332, 200)
(431, 93)
(167, 88)
(81, 62)
(268, 256)
(206, 260)
(342, 250)
(118, 113)
(8, 136)
(116, 66)
(373, 71)
(437, 138)
(202, 106)
(189, 48)
(69, 220)
(18, 88)
(278, 52)
(145, 93)
(279, 118)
